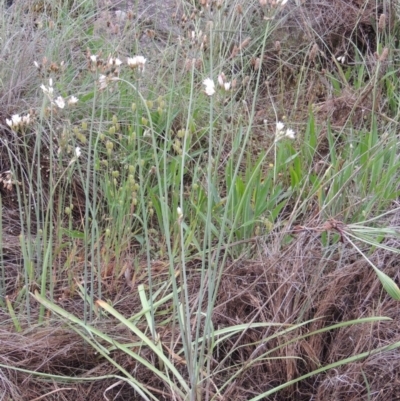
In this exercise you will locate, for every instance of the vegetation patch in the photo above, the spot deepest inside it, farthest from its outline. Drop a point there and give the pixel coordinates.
(199, 201)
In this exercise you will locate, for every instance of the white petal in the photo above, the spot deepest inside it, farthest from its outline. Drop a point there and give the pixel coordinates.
(290, 133)
(72, 100)
(210, 86)
(60, 102)
(279, 126)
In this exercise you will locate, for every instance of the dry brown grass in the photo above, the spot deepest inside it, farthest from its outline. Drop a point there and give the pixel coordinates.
(279, 285)
(287, 287)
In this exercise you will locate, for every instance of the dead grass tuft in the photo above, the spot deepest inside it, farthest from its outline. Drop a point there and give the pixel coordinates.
(283, 287)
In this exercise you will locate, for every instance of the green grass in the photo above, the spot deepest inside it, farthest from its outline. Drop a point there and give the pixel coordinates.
(146, 168)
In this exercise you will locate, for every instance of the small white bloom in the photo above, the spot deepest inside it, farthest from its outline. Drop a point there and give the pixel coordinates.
(26, 119)
(210, 86)
(114, 61)
(48, 90)
(72, 100)
(103, 82)
(78, 152)
(50, 82)
(180, 214)
(136, 61)
(93, 57)
(279, 126)
(60, 102)
(121, 15)
(227, 86)
(341, 59)
(290, 133)
(36, 64)
(221, 79)
(16, 120)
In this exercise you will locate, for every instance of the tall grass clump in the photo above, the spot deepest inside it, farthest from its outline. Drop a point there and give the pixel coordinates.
(200, 213)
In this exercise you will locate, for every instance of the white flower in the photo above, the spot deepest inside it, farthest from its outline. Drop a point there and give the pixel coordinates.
(341, 59)
(103, 82)
(136, 61)
(60, 102)
(280, 134)
(78, 152)
(279, 126)
(16, 122)
(48, 90)
(114, 61)
(221, 79)
(36, 64)
(121, 15)
(180, 214)
(210, 86)
(26, 119)
(93, 58)
(227, 86)
(72, 100)
(290, 133)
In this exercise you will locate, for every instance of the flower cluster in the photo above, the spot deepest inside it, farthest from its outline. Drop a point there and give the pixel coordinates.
(136, 62)
(59, 101)
(210, 85)
(109, 71)
(223, 83)
(280, 133)
(18, 122)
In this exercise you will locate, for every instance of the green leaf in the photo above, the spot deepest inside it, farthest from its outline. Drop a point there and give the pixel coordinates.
(388, 284)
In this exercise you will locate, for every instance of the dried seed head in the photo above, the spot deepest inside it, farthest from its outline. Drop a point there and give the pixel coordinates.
(384, 55)
(256, 63)
(234, 52)
(245, 43)
(313, 52)
(382, 22)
